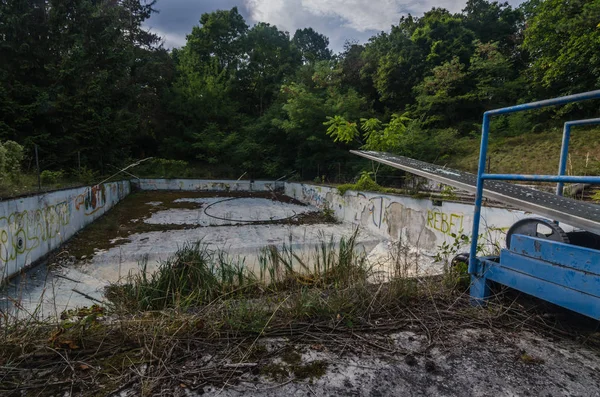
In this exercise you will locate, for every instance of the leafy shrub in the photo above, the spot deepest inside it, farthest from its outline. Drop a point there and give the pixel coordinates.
(319, 179)
(14, 157)
(457, 277)
(448, 192)
(11, 157)
(447, 251)
(329, 214)
(51, 177)
(85, 175)
(163, 168)
(364, 183)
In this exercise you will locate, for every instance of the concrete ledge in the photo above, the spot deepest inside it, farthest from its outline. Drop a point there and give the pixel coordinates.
(208, 185)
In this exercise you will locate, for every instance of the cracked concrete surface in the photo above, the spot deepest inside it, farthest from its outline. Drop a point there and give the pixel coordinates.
(467, 362)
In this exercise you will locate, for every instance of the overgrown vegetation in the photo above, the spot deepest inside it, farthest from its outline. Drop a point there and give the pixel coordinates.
(196, 275)
(203, 319)
(193, 276)
(537, 153)
(15, 180)
(164, 168)
(365, 183)
(256, 101)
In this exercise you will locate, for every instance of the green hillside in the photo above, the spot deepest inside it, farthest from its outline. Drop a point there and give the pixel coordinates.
(533, 153)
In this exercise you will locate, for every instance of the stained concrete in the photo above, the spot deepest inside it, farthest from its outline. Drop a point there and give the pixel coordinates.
(208, 185)
(423, 223)
(215, 211)
(31, 227)
(400, 235)
(242, 231)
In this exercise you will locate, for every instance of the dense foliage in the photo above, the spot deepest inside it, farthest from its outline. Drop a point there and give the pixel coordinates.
(84, 81)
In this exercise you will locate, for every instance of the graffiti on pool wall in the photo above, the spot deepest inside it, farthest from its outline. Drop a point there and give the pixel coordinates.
(312, 194)
(446, 223)
(21, 232)
(375, 208)
(92, 200)
(117, 192)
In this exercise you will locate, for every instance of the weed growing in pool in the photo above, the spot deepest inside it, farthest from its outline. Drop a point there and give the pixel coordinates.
(192, 276)
(330, 264)
(196, 275)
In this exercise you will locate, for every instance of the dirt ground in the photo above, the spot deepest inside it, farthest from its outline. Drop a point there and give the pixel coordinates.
(517, 346)
(468, 362)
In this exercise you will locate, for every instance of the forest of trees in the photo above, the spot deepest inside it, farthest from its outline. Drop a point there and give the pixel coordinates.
(85, 81)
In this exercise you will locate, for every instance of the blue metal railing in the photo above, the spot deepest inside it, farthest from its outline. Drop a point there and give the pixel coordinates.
(560, 178)
(564, 151)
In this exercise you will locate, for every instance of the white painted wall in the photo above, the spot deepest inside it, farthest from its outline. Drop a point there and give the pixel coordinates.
(31, 227)
(207, 185)
(416, 221)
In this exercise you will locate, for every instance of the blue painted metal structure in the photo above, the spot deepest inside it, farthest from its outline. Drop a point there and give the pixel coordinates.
(563, 274)
(564, 151)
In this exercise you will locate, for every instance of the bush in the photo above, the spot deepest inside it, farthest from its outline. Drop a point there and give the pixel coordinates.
(364, 183)
(196, 275)
(457, 277)
(51, 177)
(11, 157)
(193, 275)
(85, 175)
(163, 168)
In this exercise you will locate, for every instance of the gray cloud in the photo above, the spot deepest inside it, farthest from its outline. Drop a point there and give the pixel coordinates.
(176, 18)
(340, 20)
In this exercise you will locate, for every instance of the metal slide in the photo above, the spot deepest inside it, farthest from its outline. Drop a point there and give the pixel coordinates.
(572, 212)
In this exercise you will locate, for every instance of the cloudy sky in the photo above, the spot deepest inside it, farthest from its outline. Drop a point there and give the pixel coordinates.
(340, 20)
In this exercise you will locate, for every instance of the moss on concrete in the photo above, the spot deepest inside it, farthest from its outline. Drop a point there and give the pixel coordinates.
(127, 218)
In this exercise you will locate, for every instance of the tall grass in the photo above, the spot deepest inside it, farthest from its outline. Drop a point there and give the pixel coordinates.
(196, 275)
(329, 264)
(193, 275)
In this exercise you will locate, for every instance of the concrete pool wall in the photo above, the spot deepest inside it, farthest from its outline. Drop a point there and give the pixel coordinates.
(31, 227)
(417, 221)
(208, 185)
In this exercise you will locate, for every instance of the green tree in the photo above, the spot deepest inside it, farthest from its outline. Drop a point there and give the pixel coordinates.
(312, 45)
(394, 64)
(220, 35)
(442, 97)
(494, 22)
(72, 77)
(563, 38)
(443, 37)
(306, 107)
(375, 134)
(270, 58)
(203, 111)
(497, 81)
